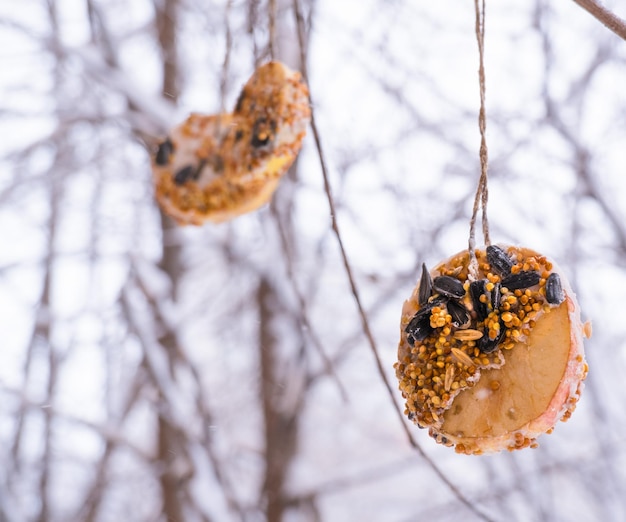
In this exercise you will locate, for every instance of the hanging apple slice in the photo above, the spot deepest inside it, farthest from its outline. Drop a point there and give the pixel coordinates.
(498, 364)
(217, 167)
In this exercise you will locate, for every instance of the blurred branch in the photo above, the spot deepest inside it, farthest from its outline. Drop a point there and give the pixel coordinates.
(171, 446)
(108, 433)
(338, 485)
(228, 35)
(281, 423)
(178, 362)
(95, 495)
(303, 316)
(608, 18)
(252, 21)
(581, 156)
(148, 114)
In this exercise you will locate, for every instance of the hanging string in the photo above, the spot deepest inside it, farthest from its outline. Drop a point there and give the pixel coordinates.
(226, 63)
(482, 192)
(272, 29)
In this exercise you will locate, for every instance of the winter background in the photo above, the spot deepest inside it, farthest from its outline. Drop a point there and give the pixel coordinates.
(150, 372)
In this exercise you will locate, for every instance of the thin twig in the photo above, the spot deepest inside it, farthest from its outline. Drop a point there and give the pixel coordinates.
(251, 23)
(181, 361)
(280, 423)
(105, 431)
(272, 28)
(608, 18)
(303, 316)
(226, 63)
(90, 510)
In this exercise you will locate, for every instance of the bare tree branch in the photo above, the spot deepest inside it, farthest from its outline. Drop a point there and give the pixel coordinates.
(608, 18)
(280, 422)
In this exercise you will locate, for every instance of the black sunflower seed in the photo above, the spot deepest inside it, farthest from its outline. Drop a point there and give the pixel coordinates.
(449, 286)
(495, 296)
(499, 260)
(422, 313)
(184, 174)
(164, 152)
(426, 286)
(554, 290)
(476, 289)
(419, 327)
(262, 132)
(460, 315)
(523, 279)
(440, 300)
(487, 345)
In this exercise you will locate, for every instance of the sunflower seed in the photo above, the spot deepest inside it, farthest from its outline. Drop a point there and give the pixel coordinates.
(467, 335)
(554, 290)
(499, 260)
(462, 357)
(460, 315)
(477, 289)
(449, 379)
(164, 152)
(183, 175)
(523, 279)
(262, 132)
(495, 296)
(449, 286)
(419, 327)
(426, 286)
(487, 345)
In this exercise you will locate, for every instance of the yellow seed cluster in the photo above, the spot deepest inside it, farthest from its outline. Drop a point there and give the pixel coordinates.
(434, 370)
(439, 318)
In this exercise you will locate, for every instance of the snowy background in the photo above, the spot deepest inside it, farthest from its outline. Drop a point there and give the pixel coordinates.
(218, 373)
